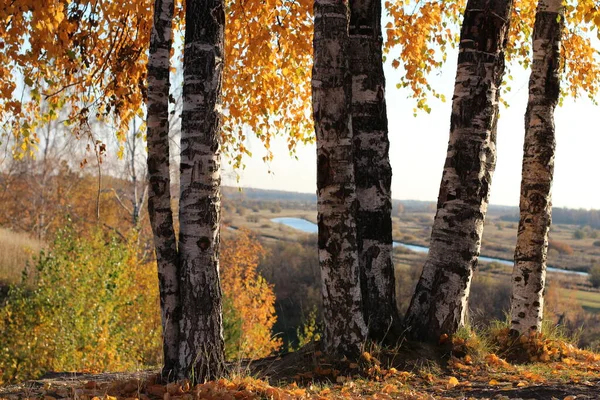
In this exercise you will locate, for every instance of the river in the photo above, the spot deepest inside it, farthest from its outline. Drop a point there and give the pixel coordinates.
(309, 227)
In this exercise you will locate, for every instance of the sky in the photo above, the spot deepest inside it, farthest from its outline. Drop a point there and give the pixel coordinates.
(418, 148)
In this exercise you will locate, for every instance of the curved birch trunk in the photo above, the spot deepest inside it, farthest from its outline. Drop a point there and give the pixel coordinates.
(373, 172)
(201, 350)
(439, 303)
(345, 330)
(529, 273)
(159, 193)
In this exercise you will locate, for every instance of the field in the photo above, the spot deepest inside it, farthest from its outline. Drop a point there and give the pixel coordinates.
(500, 238)
(415, 228)
(16, 250)
(590, 301)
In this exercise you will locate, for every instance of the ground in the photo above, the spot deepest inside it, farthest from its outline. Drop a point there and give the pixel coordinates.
(423, 372)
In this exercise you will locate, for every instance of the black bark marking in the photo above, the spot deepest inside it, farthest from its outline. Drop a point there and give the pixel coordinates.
(324, 172)
(204, 243)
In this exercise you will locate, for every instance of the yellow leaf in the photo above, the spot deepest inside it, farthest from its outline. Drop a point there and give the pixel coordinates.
(389, 388)
(493, 382)
(452, 382)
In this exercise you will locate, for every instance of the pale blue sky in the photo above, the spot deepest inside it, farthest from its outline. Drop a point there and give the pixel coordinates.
(418, 148)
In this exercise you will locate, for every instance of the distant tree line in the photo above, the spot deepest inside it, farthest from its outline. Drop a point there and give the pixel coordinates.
(568, 216)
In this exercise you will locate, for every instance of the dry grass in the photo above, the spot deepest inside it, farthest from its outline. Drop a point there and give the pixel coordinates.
(16, 249)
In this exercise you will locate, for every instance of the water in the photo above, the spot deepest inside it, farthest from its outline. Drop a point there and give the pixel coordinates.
(308, 227)
(297, 223)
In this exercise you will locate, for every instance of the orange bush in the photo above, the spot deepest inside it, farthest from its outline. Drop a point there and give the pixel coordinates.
(251, 295)
(561, 247)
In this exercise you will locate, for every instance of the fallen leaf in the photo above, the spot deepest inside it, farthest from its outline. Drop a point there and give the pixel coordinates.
(156, 390)
(389, 388)
(452, 382)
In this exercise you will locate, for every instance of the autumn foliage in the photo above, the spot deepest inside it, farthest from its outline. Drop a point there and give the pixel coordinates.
(419, 35)
(250, 295)
(89, 59)
(92, 306)
(561, 247)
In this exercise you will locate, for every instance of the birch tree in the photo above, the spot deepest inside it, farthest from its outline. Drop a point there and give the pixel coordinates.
(189, 277)
(201, 348)
(439, 303)
(372, 169)
(344, 327)
(159, 194)
(529, 273)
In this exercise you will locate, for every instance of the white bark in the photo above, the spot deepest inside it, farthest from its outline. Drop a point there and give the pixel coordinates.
(373, 172)
(201, 349)
(344, 327)
(159, 194)
(440, 301)
(529, 273)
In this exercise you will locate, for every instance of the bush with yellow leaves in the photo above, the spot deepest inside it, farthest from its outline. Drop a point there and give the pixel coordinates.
(93, 306)
(250, 297)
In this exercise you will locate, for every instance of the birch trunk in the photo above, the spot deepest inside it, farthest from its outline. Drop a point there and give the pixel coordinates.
(201, 350)
(529, 273)
(373, 172)
(159, 194)
(440, 300)
(345, 330)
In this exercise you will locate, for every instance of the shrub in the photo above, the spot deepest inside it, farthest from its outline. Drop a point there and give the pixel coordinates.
(250, 296)
(308, 332)
(595, 275)
(252, 218)
(92, 306)
(597, 243)
(561, 247)
(578, 234)
(232, 328)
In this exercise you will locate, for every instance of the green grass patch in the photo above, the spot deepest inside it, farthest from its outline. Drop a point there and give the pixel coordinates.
(590, 301)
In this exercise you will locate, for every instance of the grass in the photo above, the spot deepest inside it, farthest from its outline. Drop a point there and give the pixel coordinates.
(16, 250)
(590, 301)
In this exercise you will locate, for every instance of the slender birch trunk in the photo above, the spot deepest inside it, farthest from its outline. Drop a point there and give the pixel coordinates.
(439, 303)
(159, 194)
(373, 172)
(201, 351)
(345, 330)
(529, 273)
